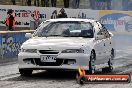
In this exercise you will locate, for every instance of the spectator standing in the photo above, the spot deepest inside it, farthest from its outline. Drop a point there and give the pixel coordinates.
(66, 3)
(53, 3)
(78, 3)
(36, 2)
(13, 2)
(62, 14)
(29, 2)
(75, 4)
(23, 2)
(10, 20)
(42, 3)
(54, 14)
(45, 3)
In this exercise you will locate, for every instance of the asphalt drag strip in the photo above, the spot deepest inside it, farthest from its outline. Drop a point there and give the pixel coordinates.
(10, 77)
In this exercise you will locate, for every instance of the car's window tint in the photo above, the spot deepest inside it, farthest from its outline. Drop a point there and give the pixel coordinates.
(66, 29)
(106, 33)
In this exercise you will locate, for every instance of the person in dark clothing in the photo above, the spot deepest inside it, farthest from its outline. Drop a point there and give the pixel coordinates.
(54, 14)
(53, 3)
(13, 2)
(42, 3)
(75, 4)
(36, 2)
(66, 3)
(78, 2)
(45, 3)
(10, 20)
(29, 2)
(62, 14)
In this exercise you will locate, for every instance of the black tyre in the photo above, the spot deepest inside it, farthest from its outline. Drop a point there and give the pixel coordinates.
(112, 54)
(77, 77)
(92, 62)
(24, 72)
(81, 80)
(110, 64)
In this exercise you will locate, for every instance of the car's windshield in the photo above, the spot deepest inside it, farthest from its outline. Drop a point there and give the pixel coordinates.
(65, 29)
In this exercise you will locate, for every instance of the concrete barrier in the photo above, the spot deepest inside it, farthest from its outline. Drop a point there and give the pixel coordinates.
(10, 43)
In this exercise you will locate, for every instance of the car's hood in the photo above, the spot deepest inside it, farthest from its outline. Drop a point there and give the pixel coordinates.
(57, 42)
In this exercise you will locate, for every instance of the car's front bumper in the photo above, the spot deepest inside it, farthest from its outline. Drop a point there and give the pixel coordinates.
(70, 61)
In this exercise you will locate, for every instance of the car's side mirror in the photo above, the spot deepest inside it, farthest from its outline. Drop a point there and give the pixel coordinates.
(28, 35)
(99, 37)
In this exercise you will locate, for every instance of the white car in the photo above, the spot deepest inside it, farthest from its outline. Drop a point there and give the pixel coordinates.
(66, 44)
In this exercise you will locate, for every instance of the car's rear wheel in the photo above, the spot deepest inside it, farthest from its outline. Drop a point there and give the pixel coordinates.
(112, 53)
(110, 64)
(25, 72)
(92, 62)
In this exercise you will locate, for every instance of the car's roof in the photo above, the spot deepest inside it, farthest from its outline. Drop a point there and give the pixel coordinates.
(70, 19)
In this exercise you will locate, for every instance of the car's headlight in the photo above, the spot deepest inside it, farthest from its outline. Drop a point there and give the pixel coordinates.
(29, 50)
(73, 51)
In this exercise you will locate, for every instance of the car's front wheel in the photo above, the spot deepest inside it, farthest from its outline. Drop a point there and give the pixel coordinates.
(25, 72)
(92, 62)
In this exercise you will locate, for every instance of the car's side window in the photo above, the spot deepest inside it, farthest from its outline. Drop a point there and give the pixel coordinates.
(106, 33)
(103, 31)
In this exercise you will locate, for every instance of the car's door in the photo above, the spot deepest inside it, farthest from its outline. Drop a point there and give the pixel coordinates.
(99, 44)
(100, 48)
(107, 44)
